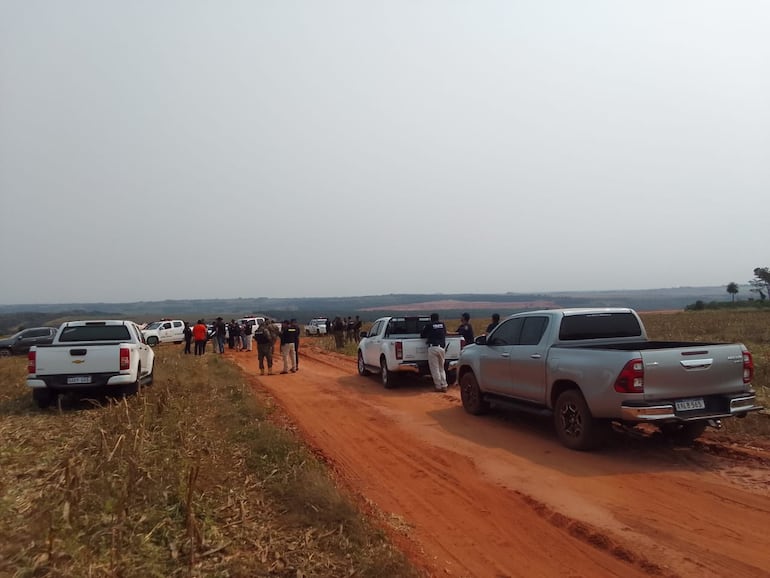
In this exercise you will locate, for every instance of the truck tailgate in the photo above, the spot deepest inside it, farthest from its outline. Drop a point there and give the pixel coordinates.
(693, 371)
(77, 359)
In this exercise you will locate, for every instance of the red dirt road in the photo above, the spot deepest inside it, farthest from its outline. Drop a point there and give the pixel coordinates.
(498, 496)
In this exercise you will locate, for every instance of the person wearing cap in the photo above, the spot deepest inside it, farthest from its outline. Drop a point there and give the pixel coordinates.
(466, 329)
(435, 335)
(495, 322)
(264, 335)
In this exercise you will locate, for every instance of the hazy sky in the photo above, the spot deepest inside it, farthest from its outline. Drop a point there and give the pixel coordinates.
(159, 149)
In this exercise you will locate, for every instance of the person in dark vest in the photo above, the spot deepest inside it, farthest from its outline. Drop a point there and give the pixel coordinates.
(466, 329)
(435, 335)
(187, 337)
(289, 338)
(495, 322)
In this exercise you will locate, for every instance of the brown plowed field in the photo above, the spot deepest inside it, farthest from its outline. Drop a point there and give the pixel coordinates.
(498, 496)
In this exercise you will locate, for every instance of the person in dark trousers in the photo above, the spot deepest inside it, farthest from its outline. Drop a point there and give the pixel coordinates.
(466, 329)
(338, 329)
(357, 329)
(495, 322)
(435, 334)
(199, 335)
(187, 337)
(221, 332)
(264, 336)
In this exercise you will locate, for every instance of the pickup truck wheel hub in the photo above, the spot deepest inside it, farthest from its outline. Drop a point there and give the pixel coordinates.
(572, 421)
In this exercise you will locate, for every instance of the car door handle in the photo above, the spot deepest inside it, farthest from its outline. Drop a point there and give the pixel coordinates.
(536, 356)
(505, 355)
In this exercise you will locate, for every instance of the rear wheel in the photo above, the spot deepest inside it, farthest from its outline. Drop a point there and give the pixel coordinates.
(43, 397)
(5, 352)
(576, 427)
(361, 365)
(471, 396)
(388, 377)
(152, 341)
(683, 433)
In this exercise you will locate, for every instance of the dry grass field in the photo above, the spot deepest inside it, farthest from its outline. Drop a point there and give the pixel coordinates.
(196, 476)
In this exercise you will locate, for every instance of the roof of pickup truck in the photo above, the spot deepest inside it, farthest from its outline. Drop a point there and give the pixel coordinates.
(581, 311)
(96, 322)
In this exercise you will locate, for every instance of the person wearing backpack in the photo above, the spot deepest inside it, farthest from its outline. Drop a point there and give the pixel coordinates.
(265, 337)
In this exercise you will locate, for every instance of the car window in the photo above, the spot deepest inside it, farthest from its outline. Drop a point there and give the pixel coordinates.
(375, 328)
(533, 330)
(26, 334)
(167, 326)
(37, 333)
(507, 333)
(177, 324)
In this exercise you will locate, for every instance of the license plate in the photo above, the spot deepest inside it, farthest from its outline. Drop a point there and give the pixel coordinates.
(688, 404)
(79, 379)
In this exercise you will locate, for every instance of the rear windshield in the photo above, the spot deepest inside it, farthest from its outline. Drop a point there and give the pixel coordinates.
(95, 333)
(407, 325)
(599, 326)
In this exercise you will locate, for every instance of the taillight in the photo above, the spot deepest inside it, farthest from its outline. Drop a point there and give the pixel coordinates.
(748, 367)
(399, 350)
(125, 358)
(631, 378)
(31, 362)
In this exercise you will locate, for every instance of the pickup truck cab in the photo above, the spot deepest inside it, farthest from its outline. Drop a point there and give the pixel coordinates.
(110, 356)
(21, 342)
(317, 326)
(164, 331)
(590, 368)
(393, 347)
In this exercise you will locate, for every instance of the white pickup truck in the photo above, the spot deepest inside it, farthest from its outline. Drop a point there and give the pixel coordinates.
(393, 347)
(164, 331)
(105, 356)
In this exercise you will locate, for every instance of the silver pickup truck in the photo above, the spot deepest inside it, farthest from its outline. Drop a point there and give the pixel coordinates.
(393, 347)
(592, 367)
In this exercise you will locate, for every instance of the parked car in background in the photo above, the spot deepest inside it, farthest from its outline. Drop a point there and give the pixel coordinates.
(20, 343)
(317, 326)
(164, 331)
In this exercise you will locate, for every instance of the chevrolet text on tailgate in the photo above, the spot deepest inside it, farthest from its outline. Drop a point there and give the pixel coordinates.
(109, 356)
(591, 368)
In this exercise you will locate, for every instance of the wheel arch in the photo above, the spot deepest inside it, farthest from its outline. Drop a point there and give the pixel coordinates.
(559, 387)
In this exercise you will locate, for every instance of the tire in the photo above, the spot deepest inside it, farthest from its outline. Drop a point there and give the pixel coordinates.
(451, 376)
(43, 397)
(361, 366)
(5, 352)
(683, 433)
(575, 426)
(471, 396)
(152, 341)
(388, 377)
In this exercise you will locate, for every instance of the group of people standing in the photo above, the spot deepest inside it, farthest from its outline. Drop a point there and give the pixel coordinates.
(239, 338)
(345, 330)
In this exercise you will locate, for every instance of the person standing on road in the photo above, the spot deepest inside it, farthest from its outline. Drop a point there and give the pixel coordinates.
(288, 340)
(187, 331)
(435, 334)
(296, 344)
(495, 322)
(466, 329)
(221, 332)
(264, 335)
(246, 336)
(199, 335)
